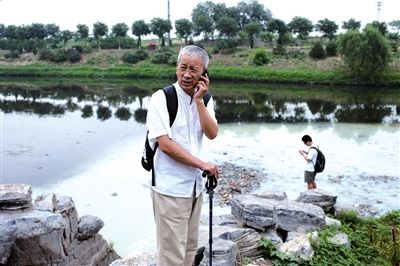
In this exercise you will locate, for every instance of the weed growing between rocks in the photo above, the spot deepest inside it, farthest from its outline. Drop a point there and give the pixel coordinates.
(373, 241)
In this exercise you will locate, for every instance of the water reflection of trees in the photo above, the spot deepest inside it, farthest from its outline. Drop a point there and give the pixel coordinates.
(87, 111)
(368, 113)
(30, 107)
(230, 107)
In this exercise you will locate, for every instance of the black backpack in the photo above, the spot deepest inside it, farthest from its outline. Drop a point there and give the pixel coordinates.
(319, 165)
(172, 106)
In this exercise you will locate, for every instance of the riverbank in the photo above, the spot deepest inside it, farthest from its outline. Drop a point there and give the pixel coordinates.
(113, 185)
(107, 64)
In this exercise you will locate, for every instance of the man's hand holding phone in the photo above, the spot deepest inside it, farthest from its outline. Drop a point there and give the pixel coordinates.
(202, 85)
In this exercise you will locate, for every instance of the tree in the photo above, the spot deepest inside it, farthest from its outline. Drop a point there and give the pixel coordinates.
(99, 30)
(203, 24)
(300, 26)
(183, 28)
(351, 24)
(203, 19)
(252, 30)
(381, 26)
(36, 31)
(317, 51)
(140, 28)
(11, 32)
(52, 30)
(66, 35)
(327, 27)
(366, 54)
(395, 25)
(82, 31)
(2, 30)
(278, 26)
(119, 30)
(160, 27)
(251, 11)
(227, 26)
(218, 11)
(266, 36)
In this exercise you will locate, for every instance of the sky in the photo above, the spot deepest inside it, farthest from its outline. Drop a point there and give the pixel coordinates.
(69, 13)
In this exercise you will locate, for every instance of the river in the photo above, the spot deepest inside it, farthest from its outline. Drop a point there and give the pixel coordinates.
(50, 141)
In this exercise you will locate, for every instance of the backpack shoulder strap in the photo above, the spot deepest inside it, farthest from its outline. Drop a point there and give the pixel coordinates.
(172, 102)
(206, 98)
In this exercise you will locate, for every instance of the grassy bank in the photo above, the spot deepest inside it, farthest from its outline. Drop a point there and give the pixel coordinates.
(236, 67)
(248, 73)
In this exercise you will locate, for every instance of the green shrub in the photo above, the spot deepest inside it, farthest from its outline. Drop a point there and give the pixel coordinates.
(373, 241)
(271, 252)
(79, 48)
(317, 51)
(133, 58)
(161, 57)
(129, 58)
(173, 60)
(87, 49)
(331, 49)
(298, 54)
(58, 56)
(226, 46)
(45, 54)
(73, 55)
(349, 217)
(279, 50)
(260, 57)
(366, 54)
(141, 54)
(12, 54)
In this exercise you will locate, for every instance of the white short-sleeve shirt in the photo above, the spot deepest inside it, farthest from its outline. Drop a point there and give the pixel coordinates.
(312, 158)
(171, 177)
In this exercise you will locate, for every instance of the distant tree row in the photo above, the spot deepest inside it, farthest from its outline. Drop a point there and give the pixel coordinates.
(249, 19)
(366, 52)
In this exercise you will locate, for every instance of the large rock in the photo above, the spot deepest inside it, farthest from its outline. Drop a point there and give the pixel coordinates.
(15, 196)
(48, 232)
(246, 241)
(298, 216)
(88, 226)
(276, 195)
(253, 211)
(224, 253)
(324, 199)
(299, 247)
(340, 239)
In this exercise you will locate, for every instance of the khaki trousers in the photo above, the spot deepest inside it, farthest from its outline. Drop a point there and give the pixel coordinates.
(177, 228)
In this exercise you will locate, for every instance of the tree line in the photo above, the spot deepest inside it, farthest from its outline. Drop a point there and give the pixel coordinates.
(249, 19)
(247, 22)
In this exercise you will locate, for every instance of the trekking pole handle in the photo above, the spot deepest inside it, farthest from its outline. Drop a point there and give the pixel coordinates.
(211, 181)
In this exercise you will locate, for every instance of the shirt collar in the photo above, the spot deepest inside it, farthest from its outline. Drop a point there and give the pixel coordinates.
(182, 94)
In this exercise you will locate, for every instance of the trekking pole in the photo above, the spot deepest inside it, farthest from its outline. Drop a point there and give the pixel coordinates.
(210, 185)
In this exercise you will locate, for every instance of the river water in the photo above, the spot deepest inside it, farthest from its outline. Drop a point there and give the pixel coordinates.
(96, 161)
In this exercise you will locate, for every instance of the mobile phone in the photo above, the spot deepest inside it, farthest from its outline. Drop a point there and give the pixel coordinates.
(205, 73)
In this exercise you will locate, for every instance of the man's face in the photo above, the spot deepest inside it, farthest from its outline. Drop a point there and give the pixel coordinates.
(188, 72)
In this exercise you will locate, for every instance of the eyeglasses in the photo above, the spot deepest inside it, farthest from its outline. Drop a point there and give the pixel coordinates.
(192, 69)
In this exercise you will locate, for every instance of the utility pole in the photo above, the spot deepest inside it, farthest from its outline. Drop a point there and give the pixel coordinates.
(379, 4)
(169, 32)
